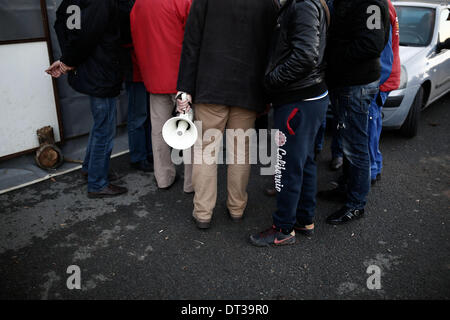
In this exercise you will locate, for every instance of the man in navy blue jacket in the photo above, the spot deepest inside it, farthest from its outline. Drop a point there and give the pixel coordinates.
(359, 32)
(90, 55)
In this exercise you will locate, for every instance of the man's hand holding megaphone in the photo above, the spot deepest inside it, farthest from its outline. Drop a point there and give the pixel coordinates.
(184, 102)
(180, 131)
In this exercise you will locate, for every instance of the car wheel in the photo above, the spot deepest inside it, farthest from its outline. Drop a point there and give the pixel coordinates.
(411, 124)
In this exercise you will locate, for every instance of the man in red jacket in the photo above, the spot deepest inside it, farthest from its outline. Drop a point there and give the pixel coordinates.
(157, 28)
(139, 126)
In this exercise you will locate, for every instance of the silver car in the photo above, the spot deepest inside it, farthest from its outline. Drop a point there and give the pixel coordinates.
(425, 59)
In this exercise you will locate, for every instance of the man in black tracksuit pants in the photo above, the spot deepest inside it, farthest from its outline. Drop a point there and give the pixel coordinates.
(295, 82)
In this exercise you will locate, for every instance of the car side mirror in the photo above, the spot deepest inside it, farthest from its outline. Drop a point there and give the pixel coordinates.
(443, 45)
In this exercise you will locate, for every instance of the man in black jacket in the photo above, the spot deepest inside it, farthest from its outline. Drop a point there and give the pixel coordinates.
(222, 69)
(359, 32)
(90, 54)
(295, 80)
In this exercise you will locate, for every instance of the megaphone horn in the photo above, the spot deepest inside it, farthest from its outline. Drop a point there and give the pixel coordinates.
(180, 132)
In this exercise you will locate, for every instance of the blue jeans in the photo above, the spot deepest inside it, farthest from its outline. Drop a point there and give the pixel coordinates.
(336, 146)
(139, 138)
(296, 172)
(101, 141)
(352, 105)
(375, 126)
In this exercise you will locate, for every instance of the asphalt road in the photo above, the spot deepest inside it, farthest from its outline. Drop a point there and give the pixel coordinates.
(145, 246)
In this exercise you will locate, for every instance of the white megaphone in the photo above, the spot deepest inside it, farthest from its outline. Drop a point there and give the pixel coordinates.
(180, 132)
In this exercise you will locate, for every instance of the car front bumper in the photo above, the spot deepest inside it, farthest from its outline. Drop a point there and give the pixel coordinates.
(397, 106)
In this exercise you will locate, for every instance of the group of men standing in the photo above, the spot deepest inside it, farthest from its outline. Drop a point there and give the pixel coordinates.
(231, 58)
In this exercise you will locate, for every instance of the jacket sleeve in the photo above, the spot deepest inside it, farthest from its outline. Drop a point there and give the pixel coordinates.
(125, 7)
(366, 43)
(79, 43)
(304, 37)
(187, 75)
(60, 26)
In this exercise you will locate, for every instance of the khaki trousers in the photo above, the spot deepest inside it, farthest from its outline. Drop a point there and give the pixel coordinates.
(204, 174)
(161, 107)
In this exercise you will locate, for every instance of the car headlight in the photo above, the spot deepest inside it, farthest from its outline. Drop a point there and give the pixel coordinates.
(403, 78)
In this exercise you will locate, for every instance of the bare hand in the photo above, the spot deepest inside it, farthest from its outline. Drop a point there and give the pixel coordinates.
(58, 68)
(65, 68)
(55, 69)
(183, 106)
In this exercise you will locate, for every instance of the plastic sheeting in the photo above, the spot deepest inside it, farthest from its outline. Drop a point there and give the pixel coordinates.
(23, 171)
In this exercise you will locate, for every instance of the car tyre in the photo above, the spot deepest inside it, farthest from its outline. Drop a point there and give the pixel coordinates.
(411, 124)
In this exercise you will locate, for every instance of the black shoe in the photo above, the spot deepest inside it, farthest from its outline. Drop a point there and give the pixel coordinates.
(112, 176)
(272, 237)
(337, 194)
(235, 218)
(302, 229)
(344, 215)
(108, 192)
(177, 177)
(201, 224)
(336, 163)
(143, 165)
(378, 178)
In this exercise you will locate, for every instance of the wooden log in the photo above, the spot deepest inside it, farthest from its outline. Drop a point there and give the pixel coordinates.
(49, 156)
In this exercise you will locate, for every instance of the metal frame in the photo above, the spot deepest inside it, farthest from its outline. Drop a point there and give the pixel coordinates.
(47, 39)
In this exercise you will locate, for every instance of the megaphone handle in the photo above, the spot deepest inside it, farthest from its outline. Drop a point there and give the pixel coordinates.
(190, 105)
(180, 97)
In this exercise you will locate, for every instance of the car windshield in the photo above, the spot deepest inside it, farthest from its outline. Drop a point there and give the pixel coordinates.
(416, 25)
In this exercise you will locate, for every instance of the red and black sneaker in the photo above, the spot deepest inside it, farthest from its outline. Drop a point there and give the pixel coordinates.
(272, 236)
(307, 230)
